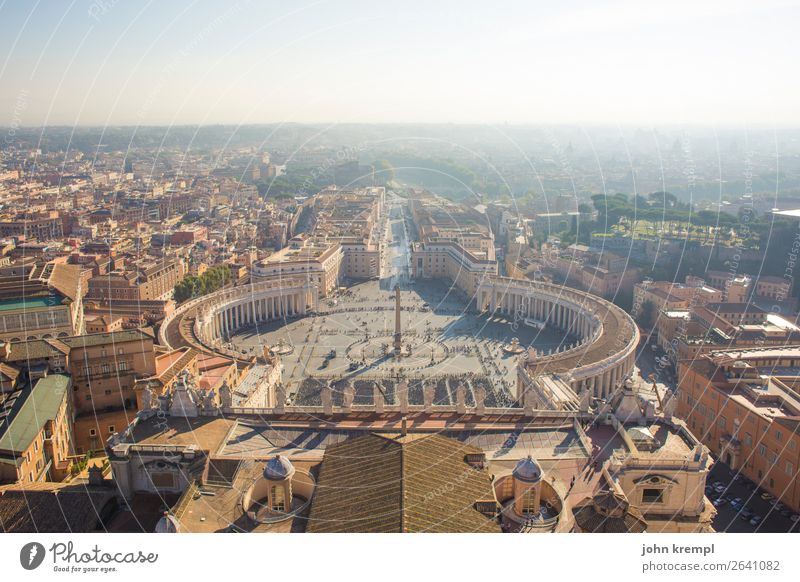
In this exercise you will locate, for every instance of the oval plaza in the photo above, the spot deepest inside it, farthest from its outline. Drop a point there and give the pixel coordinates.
(431, 361)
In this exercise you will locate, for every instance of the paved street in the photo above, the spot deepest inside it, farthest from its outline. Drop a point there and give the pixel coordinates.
(730, 519)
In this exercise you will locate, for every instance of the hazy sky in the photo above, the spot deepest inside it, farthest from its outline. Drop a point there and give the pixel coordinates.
(113, 62)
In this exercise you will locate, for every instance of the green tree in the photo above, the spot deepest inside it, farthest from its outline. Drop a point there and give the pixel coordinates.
(193, 286)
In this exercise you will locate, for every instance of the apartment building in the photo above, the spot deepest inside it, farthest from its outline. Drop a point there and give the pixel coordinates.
(103, 368)
(445, 259)
(142, 280)
(36, 437)
(40, 300)
(744, 405)
(42, 226)
(351, 218)
(770, 287)
(665, 295)
(318, 261)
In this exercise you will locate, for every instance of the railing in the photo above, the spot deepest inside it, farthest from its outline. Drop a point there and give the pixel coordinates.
(180, 507)
(566, 415)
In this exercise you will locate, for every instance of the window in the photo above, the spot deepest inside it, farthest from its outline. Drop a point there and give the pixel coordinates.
(278, 501)
(722, 421)
(108, 392)
(762, 450)
(92, 432)
(111, 429)
(789, 468)
(163, 480)
(748, 439)
(653, 496)
(529, 502)
(778, 435)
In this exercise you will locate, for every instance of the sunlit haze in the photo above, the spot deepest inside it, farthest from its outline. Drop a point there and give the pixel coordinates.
(105, 62)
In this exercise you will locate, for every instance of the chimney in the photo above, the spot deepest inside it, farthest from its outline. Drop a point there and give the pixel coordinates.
(404, 426)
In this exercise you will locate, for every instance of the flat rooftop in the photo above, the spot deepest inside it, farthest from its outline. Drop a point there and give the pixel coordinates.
(263, 440)
(31, 302)
(207, 433)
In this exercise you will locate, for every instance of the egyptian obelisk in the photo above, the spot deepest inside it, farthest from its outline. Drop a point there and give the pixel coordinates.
(397, 334)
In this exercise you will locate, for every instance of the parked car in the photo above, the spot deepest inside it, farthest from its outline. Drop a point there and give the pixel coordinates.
(756, 519)
(719, 488)
(746, 513)
(766, 496)
(795, 517)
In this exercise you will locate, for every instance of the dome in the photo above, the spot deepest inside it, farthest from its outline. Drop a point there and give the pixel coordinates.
(527, 470)
(278, 468)
(168, 524)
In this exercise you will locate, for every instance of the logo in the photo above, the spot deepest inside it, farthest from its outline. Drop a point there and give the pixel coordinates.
(31, 555)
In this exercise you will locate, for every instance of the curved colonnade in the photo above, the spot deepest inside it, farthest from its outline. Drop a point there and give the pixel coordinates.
(603, 355)
(209, 321)
(607, 336)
